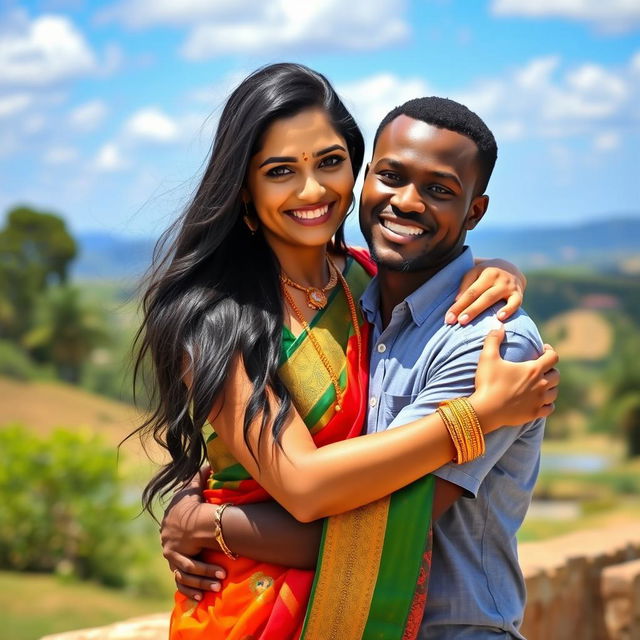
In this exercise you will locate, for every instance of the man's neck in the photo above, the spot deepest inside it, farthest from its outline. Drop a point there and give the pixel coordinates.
(396, 286)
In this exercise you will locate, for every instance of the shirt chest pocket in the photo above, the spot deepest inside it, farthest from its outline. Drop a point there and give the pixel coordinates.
(393, 404)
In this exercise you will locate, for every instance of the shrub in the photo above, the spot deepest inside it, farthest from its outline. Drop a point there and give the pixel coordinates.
(63, 509)
(15, 363)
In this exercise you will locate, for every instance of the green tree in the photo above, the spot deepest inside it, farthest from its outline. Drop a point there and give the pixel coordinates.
(35, 251)
(623, 378)
(66, 332)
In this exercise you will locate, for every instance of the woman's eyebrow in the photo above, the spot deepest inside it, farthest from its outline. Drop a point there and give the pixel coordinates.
(333, 147)
(278, 159)
(316, 154)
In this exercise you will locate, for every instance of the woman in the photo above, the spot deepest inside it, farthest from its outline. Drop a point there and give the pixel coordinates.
(254, 309)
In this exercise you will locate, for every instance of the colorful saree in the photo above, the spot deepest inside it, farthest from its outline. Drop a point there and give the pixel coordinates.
(373, 568)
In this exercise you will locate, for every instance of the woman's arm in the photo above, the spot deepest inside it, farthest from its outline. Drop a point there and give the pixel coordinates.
(312, 482)
(488, 282)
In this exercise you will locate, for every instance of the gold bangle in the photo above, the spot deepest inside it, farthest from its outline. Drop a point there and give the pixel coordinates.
(217, 520)
(464, 428)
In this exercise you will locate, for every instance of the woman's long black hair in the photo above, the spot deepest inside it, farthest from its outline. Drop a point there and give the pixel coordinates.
(215, 292)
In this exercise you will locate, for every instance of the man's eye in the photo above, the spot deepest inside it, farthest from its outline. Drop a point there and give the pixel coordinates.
(389, 176)
(278, 172)
(332, 161)
(436, 188)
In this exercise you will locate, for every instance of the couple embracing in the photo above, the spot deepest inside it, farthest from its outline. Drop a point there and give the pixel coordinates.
(351, 404)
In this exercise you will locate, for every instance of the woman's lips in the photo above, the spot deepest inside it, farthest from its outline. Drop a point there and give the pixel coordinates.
(311, 216)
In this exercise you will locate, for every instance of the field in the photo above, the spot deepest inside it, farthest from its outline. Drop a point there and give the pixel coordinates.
(34, 605)
(584, 330)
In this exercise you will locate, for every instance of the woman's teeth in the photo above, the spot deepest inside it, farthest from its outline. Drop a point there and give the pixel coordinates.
(402, 229)
(310, 214)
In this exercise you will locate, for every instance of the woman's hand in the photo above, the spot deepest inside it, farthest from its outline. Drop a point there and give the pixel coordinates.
(484, 285)
(513, 393)
(186, 530)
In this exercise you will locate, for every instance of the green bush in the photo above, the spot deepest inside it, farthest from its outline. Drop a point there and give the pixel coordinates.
(62, 508)
(15, 363)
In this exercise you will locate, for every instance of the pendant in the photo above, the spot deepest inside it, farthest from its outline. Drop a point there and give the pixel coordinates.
(316, 299)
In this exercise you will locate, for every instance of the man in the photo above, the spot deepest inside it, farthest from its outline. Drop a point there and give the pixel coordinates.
(424, 189)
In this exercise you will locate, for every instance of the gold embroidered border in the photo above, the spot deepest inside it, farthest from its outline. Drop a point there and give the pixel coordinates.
(350, 563)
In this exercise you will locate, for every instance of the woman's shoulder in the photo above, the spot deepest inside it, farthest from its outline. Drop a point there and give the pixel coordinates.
(363, 257)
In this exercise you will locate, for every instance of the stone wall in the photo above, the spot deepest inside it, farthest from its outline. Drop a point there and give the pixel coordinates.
(582, 586)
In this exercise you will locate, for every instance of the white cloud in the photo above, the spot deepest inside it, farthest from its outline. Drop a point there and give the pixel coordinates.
(550, 101)
(33, 124)
(109, 158)
(151, 124)
(610, 16)
(148, 13)
(607, 141)
(42, 52)
(242, 26)
(370, 99)
(60, 155)
(88, 116)
(13, 104)
(537, 72)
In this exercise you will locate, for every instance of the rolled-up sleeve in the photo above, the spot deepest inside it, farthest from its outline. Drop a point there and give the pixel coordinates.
(454, 376)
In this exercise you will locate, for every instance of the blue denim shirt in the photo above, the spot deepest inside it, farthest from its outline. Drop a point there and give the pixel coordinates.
(476, 587)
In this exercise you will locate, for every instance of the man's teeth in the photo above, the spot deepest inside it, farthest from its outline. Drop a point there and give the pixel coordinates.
(402, 229)
(310, 214)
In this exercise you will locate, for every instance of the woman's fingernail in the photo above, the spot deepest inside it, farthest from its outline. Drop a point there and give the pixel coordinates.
(450, 318)
(463, 318)
(197, 597)
(215, 586)
(502, 315)
(220, 574)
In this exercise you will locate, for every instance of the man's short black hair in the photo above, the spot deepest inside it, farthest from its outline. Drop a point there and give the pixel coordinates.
(451, 115)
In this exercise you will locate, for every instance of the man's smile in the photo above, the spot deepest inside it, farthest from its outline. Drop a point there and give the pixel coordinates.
(399, 230)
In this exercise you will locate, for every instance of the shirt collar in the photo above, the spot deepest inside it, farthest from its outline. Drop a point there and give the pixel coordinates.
(426, 298)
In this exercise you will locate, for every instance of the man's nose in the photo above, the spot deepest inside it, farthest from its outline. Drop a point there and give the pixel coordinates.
(407, 198)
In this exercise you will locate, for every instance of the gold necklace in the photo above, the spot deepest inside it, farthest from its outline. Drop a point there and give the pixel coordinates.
(316, 297)
(316, 345)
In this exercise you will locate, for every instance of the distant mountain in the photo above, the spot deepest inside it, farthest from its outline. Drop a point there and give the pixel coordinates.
(604, 244)
(110, 257)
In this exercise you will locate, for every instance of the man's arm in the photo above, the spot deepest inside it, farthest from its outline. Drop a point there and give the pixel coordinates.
(445, 495)
(263, 531)
(454, 375)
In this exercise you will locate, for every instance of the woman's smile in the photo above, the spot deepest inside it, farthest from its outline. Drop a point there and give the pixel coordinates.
(311, 215)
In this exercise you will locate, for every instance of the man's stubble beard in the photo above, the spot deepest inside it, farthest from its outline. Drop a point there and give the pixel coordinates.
(430, 261)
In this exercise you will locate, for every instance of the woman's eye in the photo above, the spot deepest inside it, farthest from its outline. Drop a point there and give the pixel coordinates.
(331, 161)
(278, 172)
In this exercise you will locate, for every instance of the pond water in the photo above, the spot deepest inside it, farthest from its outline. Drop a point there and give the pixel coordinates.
(581, 462)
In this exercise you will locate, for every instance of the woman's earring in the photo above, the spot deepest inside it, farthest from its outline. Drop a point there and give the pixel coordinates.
(251, 224)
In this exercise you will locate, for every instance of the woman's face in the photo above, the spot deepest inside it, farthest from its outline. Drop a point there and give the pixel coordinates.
(301, 180)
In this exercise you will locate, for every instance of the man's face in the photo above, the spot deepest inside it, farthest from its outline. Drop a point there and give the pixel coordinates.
(418, 197)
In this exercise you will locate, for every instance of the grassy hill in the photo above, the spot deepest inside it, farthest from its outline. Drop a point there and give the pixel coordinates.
(43, 406)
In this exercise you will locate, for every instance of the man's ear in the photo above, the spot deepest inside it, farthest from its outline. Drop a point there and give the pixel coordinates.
(477, 209)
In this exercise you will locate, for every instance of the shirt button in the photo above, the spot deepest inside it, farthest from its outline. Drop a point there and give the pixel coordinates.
(373, 402)
(382, 348)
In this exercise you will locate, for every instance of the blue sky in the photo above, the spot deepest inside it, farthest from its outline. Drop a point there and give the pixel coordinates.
(107, 109)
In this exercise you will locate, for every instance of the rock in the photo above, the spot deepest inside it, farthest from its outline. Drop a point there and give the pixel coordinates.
(154, 627)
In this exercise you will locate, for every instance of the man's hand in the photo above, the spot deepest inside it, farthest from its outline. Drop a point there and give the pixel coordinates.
(187, 528)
